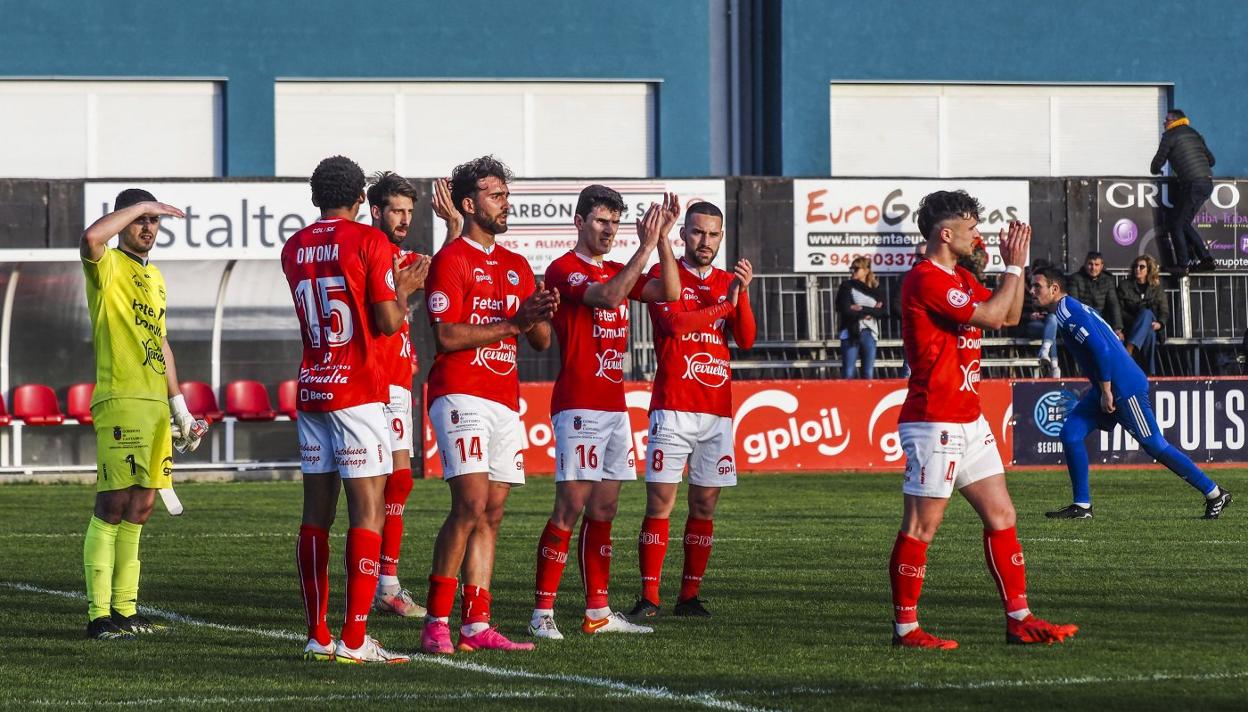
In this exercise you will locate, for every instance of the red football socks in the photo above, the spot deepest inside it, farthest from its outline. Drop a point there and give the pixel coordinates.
(441, 597)
(906, 569)
(593, 552)
(398, 487)
(651, 548)
(552, 556)
(475, 605)
(699, 535)
(363, 551)
(312, 556)
(1004, 555)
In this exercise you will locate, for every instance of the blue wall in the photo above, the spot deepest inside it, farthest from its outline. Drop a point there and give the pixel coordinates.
(250, 43)
(1197, 45)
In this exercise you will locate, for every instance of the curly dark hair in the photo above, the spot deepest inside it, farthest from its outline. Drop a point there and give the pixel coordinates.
(594, 195)
(936, 208)
(465, 176)
(387, 184)
(336, 183)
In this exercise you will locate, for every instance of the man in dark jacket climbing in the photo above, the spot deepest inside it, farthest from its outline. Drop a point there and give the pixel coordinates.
(1191, 163)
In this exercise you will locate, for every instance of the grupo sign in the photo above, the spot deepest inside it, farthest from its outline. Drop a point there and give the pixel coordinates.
(1130, 220)
(540, 222)
(224, 220)
(837, 220)
(1206, 418)
(777, 425)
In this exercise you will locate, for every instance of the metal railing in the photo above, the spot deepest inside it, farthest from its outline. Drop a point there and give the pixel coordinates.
(798, 327)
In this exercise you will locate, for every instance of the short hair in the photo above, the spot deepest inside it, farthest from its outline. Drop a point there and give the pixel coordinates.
(132, 196)
(1173, 114)
(701, 207)
(1094, 255)
(1052, 275)
(336, 183)
(594, 195)
(936, 208)
(386, 185)
(465, 176)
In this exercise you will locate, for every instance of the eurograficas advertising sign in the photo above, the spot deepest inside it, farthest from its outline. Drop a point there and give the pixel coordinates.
(778, 426)
(837, 220)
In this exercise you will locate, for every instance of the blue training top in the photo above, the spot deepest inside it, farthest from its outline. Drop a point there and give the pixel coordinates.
(1096, 347)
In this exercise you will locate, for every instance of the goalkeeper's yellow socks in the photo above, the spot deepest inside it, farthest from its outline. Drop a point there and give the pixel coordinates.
(97, 563)
(126, 568)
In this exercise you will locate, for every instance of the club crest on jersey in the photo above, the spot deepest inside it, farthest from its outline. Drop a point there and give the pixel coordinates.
(512, 277)
(390, 279)
(438, 302)
(577, 278)
(957, 298)
(577, 422)
(454, 417)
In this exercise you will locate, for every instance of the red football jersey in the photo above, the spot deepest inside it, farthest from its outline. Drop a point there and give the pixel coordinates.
(943, 350)
(468, 285)
(592, 341)
(337, 269)
(690, 337)
(395, 354)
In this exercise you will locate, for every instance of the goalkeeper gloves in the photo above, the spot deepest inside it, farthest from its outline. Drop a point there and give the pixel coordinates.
(186, 430)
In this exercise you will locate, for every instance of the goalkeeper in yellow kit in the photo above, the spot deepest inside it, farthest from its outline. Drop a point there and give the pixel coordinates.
(136, 391)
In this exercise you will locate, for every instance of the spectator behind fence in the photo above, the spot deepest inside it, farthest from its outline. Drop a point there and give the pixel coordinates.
(1096, 288)
(859, 304)
(1145, 311)
(1038, 323)
(1191, 163)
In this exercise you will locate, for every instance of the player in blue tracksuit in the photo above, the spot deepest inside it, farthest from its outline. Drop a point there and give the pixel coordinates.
(1119, 395)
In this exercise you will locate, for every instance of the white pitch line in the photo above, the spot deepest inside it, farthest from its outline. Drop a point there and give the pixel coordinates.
(1051, 539)
(654, 693)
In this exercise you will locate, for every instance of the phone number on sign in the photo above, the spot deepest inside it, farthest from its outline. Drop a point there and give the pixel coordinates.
(878, 259)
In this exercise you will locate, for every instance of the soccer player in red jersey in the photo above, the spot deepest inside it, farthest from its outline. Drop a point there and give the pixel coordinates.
(391, 200)
(481, 297)
(947, 441)
(349, 292)
(691, 407)
(593, 438)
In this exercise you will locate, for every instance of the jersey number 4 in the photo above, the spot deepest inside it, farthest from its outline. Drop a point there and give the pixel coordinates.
(326, 318)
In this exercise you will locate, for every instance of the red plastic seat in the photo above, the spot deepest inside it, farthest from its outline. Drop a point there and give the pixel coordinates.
(201, 401)
(248, 400)
(5, 418)
(35, 404)
(287, 397)
(78, 402)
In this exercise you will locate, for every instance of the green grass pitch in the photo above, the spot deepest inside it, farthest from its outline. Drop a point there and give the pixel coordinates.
(797, 582)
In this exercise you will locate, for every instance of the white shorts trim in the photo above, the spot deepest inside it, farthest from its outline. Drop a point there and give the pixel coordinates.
(352, 442)
(399, 418)
(478, 435)
(701, 440)
(593, 445)
(942, 457)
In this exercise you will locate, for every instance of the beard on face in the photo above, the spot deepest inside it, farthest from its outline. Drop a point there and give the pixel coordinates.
(701, 258)
(495, 225)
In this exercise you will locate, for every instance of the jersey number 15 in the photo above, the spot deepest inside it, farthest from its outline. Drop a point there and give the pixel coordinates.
(325, 317)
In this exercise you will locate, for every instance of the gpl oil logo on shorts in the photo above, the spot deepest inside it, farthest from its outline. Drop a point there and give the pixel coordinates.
(1051, 409)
